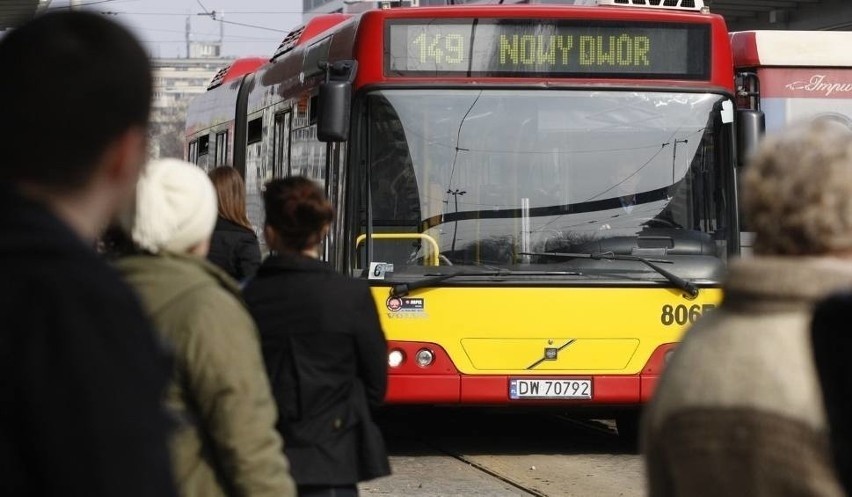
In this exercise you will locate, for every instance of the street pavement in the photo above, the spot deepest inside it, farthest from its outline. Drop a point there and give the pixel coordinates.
(473, 453)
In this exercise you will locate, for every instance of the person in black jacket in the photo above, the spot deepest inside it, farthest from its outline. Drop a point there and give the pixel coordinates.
(234, 245)
(323, 346)
(81, 374)
(832, 348)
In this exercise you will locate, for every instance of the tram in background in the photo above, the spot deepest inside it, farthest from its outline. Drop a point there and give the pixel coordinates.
(542, 196)
(794, 75)
(791, 76)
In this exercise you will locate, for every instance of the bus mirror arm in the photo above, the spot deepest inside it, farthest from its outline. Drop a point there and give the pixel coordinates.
(341, 70)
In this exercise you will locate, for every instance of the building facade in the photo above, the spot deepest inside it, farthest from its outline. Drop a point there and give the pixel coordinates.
(176, 82)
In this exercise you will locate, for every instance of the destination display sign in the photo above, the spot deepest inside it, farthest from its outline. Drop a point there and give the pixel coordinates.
(541, 48)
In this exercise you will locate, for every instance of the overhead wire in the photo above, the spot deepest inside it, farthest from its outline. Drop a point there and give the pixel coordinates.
(228, 12)
(206, 33)
(254, 26)
(84, 4)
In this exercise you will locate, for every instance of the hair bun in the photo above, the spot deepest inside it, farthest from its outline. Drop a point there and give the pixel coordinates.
(296, 208)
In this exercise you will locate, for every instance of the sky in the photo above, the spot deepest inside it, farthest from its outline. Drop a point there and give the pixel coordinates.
(251, 27)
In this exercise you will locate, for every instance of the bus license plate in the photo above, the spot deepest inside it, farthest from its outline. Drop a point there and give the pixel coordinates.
(549, 389)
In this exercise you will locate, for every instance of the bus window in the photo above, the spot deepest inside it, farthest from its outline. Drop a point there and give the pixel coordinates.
(282, 145)
(308, 154)
(313, 107)
(221, 148)
(192, 153)
(255, 131)
(203, 159)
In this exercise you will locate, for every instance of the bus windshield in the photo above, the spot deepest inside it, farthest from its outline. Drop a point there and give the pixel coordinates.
(502, 178)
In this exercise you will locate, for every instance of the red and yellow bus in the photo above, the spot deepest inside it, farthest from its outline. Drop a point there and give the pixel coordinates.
(542, 197)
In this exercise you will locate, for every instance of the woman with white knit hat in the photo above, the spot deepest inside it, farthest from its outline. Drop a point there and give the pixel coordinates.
(226, 443)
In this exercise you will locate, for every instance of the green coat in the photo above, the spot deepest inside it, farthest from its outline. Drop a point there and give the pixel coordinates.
(226, 443)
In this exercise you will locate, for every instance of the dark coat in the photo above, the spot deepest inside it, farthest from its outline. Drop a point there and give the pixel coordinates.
(832, 347)
(235, 249)
(325, 354)
(81, 373)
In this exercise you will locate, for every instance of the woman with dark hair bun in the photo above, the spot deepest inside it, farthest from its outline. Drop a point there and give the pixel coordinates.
(234, 245)
(323, 347)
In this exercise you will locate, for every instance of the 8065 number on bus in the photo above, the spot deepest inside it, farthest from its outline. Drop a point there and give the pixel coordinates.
(682, 314)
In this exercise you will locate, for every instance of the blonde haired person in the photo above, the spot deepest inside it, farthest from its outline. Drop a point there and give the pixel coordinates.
(739, 411)
(233, 246)
(226, 443)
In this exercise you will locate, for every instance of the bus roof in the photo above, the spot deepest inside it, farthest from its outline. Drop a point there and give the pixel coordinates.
(238, 68)
(364, 37)
(792, 48)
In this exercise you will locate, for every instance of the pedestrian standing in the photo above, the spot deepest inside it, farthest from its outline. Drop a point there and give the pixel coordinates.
(81, 374)
(323, 347)
(738, 410)
(234, 246)
(226, 443)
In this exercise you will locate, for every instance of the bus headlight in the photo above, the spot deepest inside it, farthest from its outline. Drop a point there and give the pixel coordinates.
(395, 358)
(425, 357)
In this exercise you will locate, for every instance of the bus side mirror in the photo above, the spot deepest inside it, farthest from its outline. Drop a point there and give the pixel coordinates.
(335, 99)
(751, 124)
(333, 116)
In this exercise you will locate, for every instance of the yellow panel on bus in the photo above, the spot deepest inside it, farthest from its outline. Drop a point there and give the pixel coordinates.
(508, 330)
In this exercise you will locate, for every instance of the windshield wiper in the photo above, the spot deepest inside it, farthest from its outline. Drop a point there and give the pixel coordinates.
(687, 286)
(403, 289)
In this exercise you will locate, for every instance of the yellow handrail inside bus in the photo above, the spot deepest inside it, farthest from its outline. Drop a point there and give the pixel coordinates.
(434, 259)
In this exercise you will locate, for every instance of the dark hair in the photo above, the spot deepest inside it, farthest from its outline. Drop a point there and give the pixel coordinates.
(231, 193)
(296, 208)
(72, 82)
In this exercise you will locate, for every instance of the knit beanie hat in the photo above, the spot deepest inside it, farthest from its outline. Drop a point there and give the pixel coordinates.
(176, 207)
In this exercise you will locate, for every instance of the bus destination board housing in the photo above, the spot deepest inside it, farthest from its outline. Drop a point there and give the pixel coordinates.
(539, 48)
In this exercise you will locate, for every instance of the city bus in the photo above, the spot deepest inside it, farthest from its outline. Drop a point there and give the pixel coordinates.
(542, 197)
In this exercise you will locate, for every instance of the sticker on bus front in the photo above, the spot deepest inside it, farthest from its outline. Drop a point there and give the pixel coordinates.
(406, 305)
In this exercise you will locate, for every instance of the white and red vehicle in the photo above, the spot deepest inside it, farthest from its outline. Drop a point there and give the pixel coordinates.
(795, 75)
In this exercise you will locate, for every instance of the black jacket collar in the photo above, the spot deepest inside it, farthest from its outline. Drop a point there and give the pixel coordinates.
(278, 263)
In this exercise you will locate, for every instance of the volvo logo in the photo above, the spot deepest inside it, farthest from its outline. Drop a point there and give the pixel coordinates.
(551, 353)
